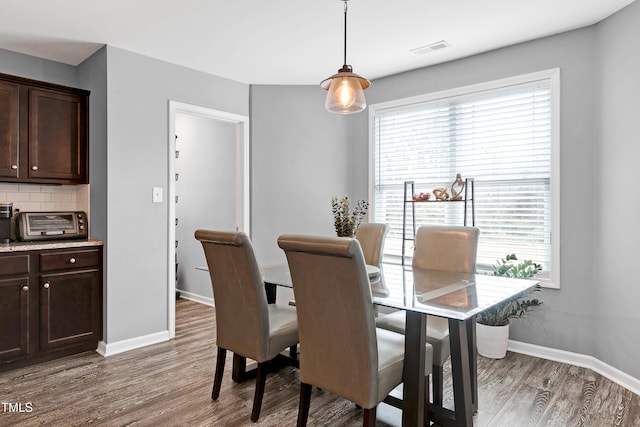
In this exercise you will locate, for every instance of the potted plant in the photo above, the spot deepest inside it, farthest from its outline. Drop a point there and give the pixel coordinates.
(346, 223)
(492, 325)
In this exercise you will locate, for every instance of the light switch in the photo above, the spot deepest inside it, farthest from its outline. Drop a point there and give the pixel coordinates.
(157, 194)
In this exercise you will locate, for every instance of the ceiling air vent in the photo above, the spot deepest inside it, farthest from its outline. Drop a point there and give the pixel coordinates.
(442, 44)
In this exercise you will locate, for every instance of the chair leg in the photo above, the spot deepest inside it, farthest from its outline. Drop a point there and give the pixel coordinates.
(427, 423)
(217, 381)
(438, 384)
(305, 402)
(369, 417)
(293, 351)
(261, 379)
(239, 371)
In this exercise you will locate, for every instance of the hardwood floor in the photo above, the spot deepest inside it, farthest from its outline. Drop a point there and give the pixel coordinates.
(169, 384)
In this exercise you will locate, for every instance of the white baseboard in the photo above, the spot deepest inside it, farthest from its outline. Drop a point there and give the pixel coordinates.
(195, 297)
(109, 349)
(584, 361)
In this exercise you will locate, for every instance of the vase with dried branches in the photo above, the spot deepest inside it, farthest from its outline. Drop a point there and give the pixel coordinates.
(346, 222)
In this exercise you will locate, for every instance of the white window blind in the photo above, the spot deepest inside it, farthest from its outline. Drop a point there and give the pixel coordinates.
(502, 137)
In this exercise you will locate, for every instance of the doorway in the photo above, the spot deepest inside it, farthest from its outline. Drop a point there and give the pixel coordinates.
(208, 187)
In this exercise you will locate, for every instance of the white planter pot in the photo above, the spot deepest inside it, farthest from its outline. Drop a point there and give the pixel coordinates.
(492, 340)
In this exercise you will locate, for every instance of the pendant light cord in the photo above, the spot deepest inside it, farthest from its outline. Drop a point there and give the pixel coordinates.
(345, 33)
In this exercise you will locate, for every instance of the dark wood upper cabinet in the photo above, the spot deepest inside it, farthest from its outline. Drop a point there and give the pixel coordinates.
(57, 136)
(9, 129)
(43, 132)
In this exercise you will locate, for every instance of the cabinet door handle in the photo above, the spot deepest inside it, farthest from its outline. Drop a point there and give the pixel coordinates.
(35, 168)
(72, 260)
(25, 288)
(14, 167)
(46, 285)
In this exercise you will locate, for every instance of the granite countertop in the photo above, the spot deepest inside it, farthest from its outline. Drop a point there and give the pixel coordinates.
(49, 244)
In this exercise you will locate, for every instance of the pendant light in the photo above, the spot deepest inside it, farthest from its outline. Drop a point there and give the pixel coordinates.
(345, 88)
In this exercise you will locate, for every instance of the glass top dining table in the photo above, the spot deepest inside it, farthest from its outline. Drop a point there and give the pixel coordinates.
(459, 297)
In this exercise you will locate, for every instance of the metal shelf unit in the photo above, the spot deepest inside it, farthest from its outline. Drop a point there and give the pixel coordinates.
(409, 191)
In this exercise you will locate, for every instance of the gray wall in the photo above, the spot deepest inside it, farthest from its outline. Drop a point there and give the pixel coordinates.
(594, 311)
(92, 74)
(38, 69)
(565, 321)
(138, 91)
(615, 198)
(301, 156)
(206, 190)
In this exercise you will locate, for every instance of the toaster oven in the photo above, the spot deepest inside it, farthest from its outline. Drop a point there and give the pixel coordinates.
(32, 226)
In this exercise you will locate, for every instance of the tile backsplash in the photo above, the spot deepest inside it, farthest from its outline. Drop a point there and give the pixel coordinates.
(39, 198)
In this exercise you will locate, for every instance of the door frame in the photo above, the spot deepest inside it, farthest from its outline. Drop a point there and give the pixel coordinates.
(243, 207)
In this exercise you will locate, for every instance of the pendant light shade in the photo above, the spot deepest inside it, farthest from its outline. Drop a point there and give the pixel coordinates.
(345, 88)
(345, 91)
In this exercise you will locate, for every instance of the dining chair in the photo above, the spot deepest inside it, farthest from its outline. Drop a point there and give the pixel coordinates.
(371, 237)
(341, 350)
(451, 249)
(245, 323)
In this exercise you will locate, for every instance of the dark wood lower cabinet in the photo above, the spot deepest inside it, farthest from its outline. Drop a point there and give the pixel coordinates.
(14, 317)
(68, 303)
(50, 304)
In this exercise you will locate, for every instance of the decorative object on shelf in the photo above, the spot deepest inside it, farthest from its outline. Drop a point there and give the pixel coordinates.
(457, 188)
(345, 89)
(346, 223)
(441, 193)
(492, 329)
(409, 204)
(421, 197)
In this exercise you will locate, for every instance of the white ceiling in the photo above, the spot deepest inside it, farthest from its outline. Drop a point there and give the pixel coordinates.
(287, 42)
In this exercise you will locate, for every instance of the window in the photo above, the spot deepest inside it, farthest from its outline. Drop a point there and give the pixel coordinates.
(504, 134)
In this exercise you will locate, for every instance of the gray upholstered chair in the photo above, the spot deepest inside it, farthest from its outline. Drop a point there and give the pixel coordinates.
(245, 323)
(451, 249)
(341, 350)
(371, 237)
